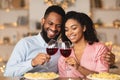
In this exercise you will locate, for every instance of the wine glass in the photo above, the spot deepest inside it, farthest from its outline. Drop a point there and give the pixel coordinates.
(52, 47)
(65, 50)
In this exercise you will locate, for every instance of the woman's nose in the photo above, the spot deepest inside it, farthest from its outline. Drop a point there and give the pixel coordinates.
(70, 32)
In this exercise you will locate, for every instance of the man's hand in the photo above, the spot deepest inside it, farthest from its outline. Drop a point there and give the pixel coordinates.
(40, 59)
(109, 57)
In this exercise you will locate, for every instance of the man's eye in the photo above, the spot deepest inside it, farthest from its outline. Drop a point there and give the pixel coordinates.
(50, 23)
(59, 26)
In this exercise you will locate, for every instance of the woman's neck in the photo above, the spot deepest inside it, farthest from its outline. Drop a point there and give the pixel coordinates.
(80, 44)
(79, 48)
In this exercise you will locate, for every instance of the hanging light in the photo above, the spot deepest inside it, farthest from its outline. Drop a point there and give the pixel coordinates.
(9, 6)
(63, 3)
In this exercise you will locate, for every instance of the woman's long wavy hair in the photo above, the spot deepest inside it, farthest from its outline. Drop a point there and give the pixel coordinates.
(85, 21)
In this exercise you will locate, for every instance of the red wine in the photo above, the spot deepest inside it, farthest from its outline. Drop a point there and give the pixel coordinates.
(52, 51)
(65, 52)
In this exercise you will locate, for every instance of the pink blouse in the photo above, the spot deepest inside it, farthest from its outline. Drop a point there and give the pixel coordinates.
(91, 59)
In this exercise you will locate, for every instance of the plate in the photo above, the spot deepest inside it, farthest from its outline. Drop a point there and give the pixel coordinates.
(41, 76)
(91, 78)
(104, 76)
(29, 78)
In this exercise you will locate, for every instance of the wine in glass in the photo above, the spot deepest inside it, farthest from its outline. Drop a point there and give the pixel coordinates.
(52, 47)
(65, 50)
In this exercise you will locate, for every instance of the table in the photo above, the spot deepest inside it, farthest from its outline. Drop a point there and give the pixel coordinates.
(17, 78)
(61, 79)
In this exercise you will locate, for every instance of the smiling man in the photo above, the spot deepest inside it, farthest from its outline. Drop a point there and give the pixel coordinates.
(29, 54)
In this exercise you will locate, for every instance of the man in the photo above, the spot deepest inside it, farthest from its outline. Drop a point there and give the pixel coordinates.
(29, 54)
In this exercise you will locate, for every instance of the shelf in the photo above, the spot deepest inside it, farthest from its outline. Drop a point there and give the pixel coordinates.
(14, 8)
(105, 12)
(107, 9)
(14, 4)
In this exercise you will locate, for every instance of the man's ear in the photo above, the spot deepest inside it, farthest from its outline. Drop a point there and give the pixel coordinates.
(42, 21)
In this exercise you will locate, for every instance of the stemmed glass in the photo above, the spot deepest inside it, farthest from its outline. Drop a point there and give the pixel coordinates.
(51, 49)
(65, 50)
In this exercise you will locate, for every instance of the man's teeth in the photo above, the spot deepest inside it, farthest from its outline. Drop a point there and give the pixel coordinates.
(51, 32)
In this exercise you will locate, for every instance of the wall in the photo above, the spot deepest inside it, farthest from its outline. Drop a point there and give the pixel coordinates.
(107, 34)
(37, 9)
(109, 12)
(12, 16)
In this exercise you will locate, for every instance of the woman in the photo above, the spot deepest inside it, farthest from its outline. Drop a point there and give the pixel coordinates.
(86, 52)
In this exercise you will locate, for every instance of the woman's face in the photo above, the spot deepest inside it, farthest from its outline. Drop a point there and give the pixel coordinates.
(73, 30)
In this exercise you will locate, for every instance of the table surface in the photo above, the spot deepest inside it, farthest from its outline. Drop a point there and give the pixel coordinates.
(61, 79)
(17, 78)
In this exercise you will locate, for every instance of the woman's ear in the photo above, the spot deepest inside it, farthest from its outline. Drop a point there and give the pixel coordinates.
(84, 29)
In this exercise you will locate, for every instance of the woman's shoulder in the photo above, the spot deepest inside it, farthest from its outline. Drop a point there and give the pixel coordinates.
(99, 47)
(98, 44)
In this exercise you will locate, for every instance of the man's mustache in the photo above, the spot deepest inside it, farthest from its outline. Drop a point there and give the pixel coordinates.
(55, 31)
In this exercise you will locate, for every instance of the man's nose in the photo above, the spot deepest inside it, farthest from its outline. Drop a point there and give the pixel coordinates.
(54, 27)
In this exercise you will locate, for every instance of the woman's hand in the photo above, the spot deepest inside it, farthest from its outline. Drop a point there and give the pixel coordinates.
(72, 62)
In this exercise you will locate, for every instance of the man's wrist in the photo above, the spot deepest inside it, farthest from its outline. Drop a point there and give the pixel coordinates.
(113, 66)
(32, 63)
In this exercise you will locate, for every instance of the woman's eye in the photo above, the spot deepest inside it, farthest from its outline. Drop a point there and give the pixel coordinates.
(66, 29)
(74, 28)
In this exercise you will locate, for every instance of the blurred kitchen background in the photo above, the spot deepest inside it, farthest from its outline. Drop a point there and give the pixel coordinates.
(21, 18)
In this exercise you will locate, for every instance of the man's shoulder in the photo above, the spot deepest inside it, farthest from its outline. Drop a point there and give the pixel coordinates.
(28, 39)
(31, 38)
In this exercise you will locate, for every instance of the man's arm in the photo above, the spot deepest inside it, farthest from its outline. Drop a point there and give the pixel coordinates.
(17, 64)
(109, 56)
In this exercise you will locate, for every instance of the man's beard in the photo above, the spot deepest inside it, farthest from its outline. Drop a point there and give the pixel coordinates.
(45, 37)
